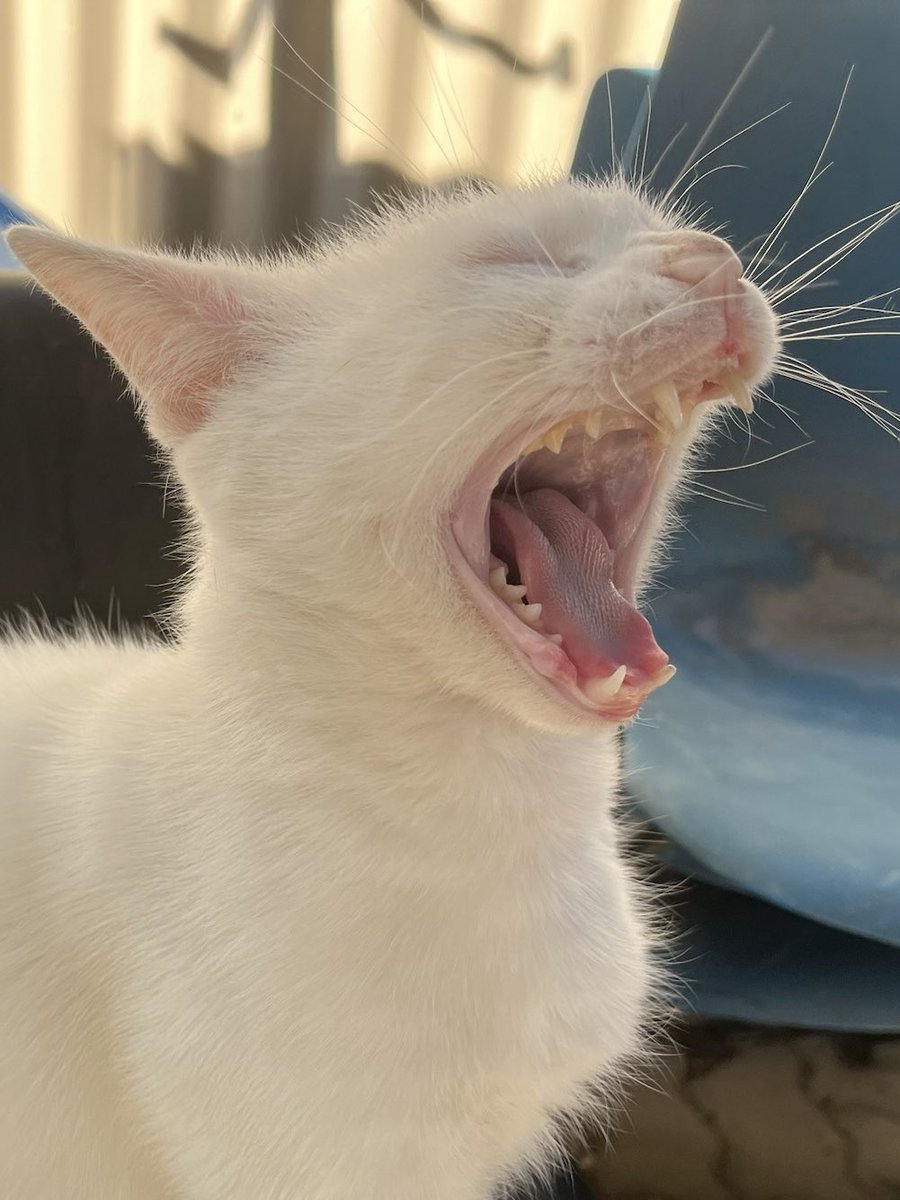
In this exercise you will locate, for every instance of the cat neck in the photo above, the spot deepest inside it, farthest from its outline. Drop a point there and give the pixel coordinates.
(348, 707)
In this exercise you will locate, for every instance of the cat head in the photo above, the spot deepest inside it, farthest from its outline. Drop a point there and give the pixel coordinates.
(454, 430)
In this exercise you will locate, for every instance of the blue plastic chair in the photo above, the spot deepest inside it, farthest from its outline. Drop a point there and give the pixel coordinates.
(772, 763)
(11, 214)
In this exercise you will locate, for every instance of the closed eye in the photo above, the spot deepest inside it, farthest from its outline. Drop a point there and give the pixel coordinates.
(534, 257)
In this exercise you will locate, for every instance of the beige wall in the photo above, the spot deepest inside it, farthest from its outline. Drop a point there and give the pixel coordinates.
(173, 119)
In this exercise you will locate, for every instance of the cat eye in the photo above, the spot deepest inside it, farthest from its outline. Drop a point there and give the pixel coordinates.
(519, 256)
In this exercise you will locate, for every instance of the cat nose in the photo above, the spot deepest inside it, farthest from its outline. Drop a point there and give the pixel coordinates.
(706, 264)
(702, 261)
(712, 273)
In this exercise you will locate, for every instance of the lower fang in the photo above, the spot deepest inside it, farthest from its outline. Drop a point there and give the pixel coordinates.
(598, 691)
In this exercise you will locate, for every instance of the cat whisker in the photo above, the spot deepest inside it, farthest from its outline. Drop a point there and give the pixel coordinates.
(832, 310)
(706, 174)
(423, 404)
(459, 113)
(826, 319)
(705, 491)
(668, 310)
(757, 463)
(478, 415)
(649, 96)
(668, 146)
(802, 372)
(789, 413)
(635, 407)
(729, 96)
(385, 145)
(766, 283)
(814, 175)
(810, 277)
(429, 66)
(720, 146)
(817, 336)
(830, 261)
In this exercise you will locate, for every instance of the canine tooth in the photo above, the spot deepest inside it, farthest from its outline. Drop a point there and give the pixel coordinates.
(663, 675)
(555, 438)
(532, 613)
(740, 393)
(598, 691)
(592, 425)
(666, 397)
(497, 577)
(512, 593)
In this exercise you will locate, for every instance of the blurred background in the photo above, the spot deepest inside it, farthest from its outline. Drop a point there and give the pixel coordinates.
(175, 120)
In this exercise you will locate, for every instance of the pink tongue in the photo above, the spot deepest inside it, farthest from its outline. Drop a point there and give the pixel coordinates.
(566, 564)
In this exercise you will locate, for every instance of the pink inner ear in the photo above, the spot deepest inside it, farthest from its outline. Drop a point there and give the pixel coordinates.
(179, 330)
(180, 344)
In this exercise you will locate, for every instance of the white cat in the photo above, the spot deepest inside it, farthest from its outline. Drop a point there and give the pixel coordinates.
(325, 900)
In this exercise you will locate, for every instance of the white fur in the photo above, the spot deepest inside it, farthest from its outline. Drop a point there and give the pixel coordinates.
(325, 901)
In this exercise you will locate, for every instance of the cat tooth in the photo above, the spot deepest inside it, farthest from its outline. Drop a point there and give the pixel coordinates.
(531, 613)
(556, 638)
(555, 438)
(512, 593)
(598, 691)
(592, 425)
(668, 403)
(740, 393)
(497, 577)
(663, 675)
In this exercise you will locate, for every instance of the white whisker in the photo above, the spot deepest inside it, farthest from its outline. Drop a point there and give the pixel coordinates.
(388, 435)
(706, 492)
(766, 283)
(706, 174)
(386, 143)
(477, 415)
(885, 418)
(827, 264)
(725, 141)
(729, 96)
(757, 463)
(814, 174)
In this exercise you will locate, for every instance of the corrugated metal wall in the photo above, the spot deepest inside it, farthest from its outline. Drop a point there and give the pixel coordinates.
(176, 119)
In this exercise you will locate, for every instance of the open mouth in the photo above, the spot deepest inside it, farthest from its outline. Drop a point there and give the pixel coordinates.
(550, 536)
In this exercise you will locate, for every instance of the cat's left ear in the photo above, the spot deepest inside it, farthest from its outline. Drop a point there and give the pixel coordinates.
(179, 330)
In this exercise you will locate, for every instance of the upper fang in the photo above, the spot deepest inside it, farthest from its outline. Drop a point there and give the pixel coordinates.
(666, 397)
(740, 393)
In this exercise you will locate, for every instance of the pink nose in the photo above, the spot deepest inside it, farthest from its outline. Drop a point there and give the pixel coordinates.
(708, 267)
(700, 260)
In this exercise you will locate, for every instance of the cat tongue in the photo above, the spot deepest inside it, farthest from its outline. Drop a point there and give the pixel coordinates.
(566, 563)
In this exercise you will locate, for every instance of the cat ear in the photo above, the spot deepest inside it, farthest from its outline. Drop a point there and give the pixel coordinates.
(179, 330)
